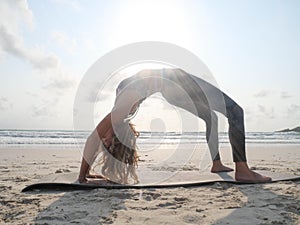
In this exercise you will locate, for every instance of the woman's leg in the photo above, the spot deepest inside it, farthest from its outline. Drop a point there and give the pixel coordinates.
(212, 139)
(216, 100)
(235, 116)
(236, 131)
(209, 98)
(194, 103)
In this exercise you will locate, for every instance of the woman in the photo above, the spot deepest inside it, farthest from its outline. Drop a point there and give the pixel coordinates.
(180, 89)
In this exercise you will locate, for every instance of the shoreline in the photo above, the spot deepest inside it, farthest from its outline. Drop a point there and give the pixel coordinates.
(72, 147)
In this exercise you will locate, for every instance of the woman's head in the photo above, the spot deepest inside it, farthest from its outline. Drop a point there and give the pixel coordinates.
(120, 158)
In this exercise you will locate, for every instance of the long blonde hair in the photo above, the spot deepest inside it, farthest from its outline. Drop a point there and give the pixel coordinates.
(119, 161)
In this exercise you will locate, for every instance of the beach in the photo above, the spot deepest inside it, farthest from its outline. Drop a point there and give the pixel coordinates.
(186, 75)
(218, 203)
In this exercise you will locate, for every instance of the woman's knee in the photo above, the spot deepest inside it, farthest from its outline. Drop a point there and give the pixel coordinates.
(238, 110)
(235, 110)
(210, 119)
(236, 115)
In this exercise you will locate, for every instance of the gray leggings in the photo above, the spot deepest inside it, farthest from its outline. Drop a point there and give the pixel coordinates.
(194, 95)
(202, 99)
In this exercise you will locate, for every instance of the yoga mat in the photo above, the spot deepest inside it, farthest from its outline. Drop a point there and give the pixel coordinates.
(163, 179)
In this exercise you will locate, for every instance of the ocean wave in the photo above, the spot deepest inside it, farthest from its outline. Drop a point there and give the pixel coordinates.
(63, 137)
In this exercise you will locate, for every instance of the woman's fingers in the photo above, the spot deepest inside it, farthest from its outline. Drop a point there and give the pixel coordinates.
(98, 176)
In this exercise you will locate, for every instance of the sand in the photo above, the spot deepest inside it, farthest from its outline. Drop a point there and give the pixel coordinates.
(220, 203)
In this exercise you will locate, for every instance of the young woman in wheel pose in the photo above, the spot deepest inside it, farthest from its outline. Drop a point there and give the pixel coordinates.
(116, 138)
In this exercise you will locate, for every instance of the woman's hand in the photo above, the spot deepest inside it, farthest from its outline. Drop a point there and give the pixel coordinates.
(95, 176)
(82, 179)
(94, 179)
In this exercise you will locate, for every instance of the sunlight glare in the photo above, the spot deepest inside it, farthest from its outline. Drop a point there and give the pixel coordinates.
(152, 20)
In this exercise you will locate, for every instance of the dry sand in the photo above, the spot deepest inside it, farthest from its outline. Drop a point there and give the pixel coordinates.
(220, 203)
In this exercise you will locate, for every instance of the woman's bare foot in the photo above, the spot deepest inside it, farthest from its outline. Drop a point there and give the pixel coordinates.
(218, 167)
(244, 174)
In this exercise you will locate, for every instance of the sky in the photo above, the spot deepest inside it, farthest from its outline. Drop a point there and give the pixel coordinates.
(251, 47)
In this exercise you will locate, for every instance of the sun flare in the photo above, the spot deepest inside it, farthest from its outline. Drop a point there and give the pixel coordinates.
(152, 20)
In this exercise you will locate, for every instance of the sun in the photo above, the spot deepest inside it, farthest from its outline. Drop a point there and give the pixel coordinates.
(151, 20)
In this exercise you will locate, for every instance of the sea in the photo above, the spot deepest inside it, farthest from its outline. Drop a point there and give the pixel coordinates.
(71, 138)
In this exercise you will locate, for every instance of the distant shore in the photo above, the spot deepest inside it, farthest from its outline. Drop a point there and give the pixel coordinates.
(296, 129)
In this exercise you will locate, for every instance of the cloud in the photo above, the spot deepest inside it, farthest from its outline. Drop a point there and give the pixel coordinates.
(42, 111)
(31, 94)
(94, 95)
(261, 108)
(67, 43)
(261, 94)
(266, 93)
(12, 44)
(285, 94)
(61, 83)
(5, 104)
(45, 108)
(268, 112)
(13, 14)
(293, 109)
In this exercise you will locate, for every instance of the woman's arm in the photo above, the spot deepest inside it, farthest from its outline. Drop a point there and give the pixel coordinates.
(104, 130)
(92, 145)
